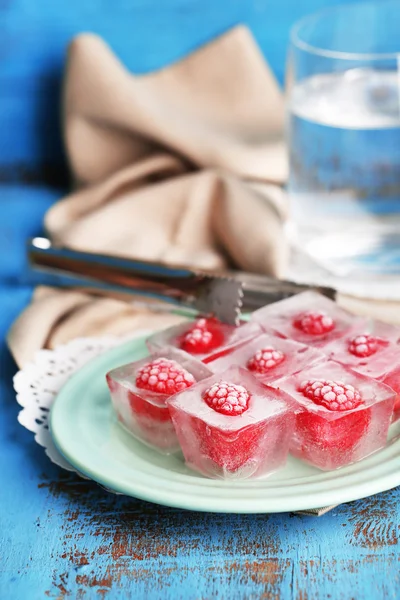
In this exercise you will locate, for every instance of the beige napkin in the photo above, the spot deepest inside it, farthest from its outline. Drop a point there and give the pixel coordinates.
(183, 165)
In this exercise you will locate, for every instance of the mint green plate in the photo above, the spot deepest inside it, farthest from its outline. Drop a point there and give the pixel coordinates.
(86, 432)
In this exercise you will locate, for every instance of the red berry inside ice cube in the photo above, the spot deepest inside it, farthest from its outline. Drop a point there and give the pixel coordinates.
(314, 323)
(147, 413)
(334, 395)
(230, 450)
(163, 376)
(265, 359)
(204, 336)
(336, 436)
(365, 345)
(227, 398)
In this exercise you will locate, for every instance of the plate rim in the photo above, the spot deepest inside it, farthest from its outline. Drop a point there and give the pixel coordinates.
(203, 502)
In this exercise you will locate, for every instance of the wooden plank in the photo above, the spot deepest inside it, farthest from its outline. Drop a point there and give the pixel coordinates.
(61, 537)
(65, 538)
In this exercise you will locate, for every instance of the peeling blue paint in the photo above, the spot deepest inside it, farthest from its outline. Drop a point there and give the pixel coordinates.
(61, 537)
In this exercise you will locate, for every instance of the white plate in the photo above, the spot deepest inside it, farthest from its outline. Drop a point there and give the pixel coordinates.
(85, 430)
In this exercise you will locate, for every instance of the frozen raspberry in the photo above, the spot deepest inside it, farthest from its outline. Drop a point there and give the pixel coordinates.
(227, 398)
(265, 359)
(337, 437)
(204, 336)
(314, 323)
(163, 376)
(363, 345)
(334, 395)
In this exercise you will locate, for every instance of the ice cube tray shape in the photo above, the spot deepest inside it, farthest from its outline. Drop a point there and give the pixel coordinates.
(309, 318)
(251, 444)
(330, 439)
(210, 338)
(145, 413)
(269, 357)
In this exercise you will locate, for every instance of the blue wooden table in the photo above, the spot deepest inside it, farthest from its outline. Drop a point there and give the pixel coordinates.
(62, 537)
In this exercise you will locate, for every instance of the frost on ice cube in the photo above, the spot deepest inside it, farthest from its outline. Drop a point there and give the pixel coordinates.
(139, 391)
(231, 426)
(372, 349)
(269, 357)
(342, 416)
(309, 318)
(206, 338)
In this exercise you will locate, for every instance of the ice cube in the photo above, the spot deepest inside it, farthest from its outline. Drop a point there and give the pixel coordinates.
(251, 440)
(269, 357)
(309, 318)
(330, 438)
(143, 412)
(206, 338)
(372, 349)
(382, 94)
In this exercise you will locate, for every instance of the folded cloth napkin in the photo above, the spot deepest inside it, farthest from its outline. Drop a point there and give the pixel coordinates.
(183, 165)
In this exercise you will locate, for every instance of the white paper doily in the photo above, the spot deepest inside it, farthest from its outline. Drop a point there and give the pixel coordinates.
(39, 382)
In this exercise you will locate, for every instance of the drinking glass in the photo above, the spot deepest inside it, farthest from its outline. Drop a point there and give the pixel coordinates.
(343, 98)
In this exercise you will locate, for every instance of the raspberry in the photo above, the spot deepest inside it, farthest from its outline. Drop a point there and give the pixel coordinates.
(227, 398)
(314, 323)
(148, 415)
(163, 376)
(336, 437)
(230, 451)
(204, 336)
(334, 395)
(265, 359)
(363, 345)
